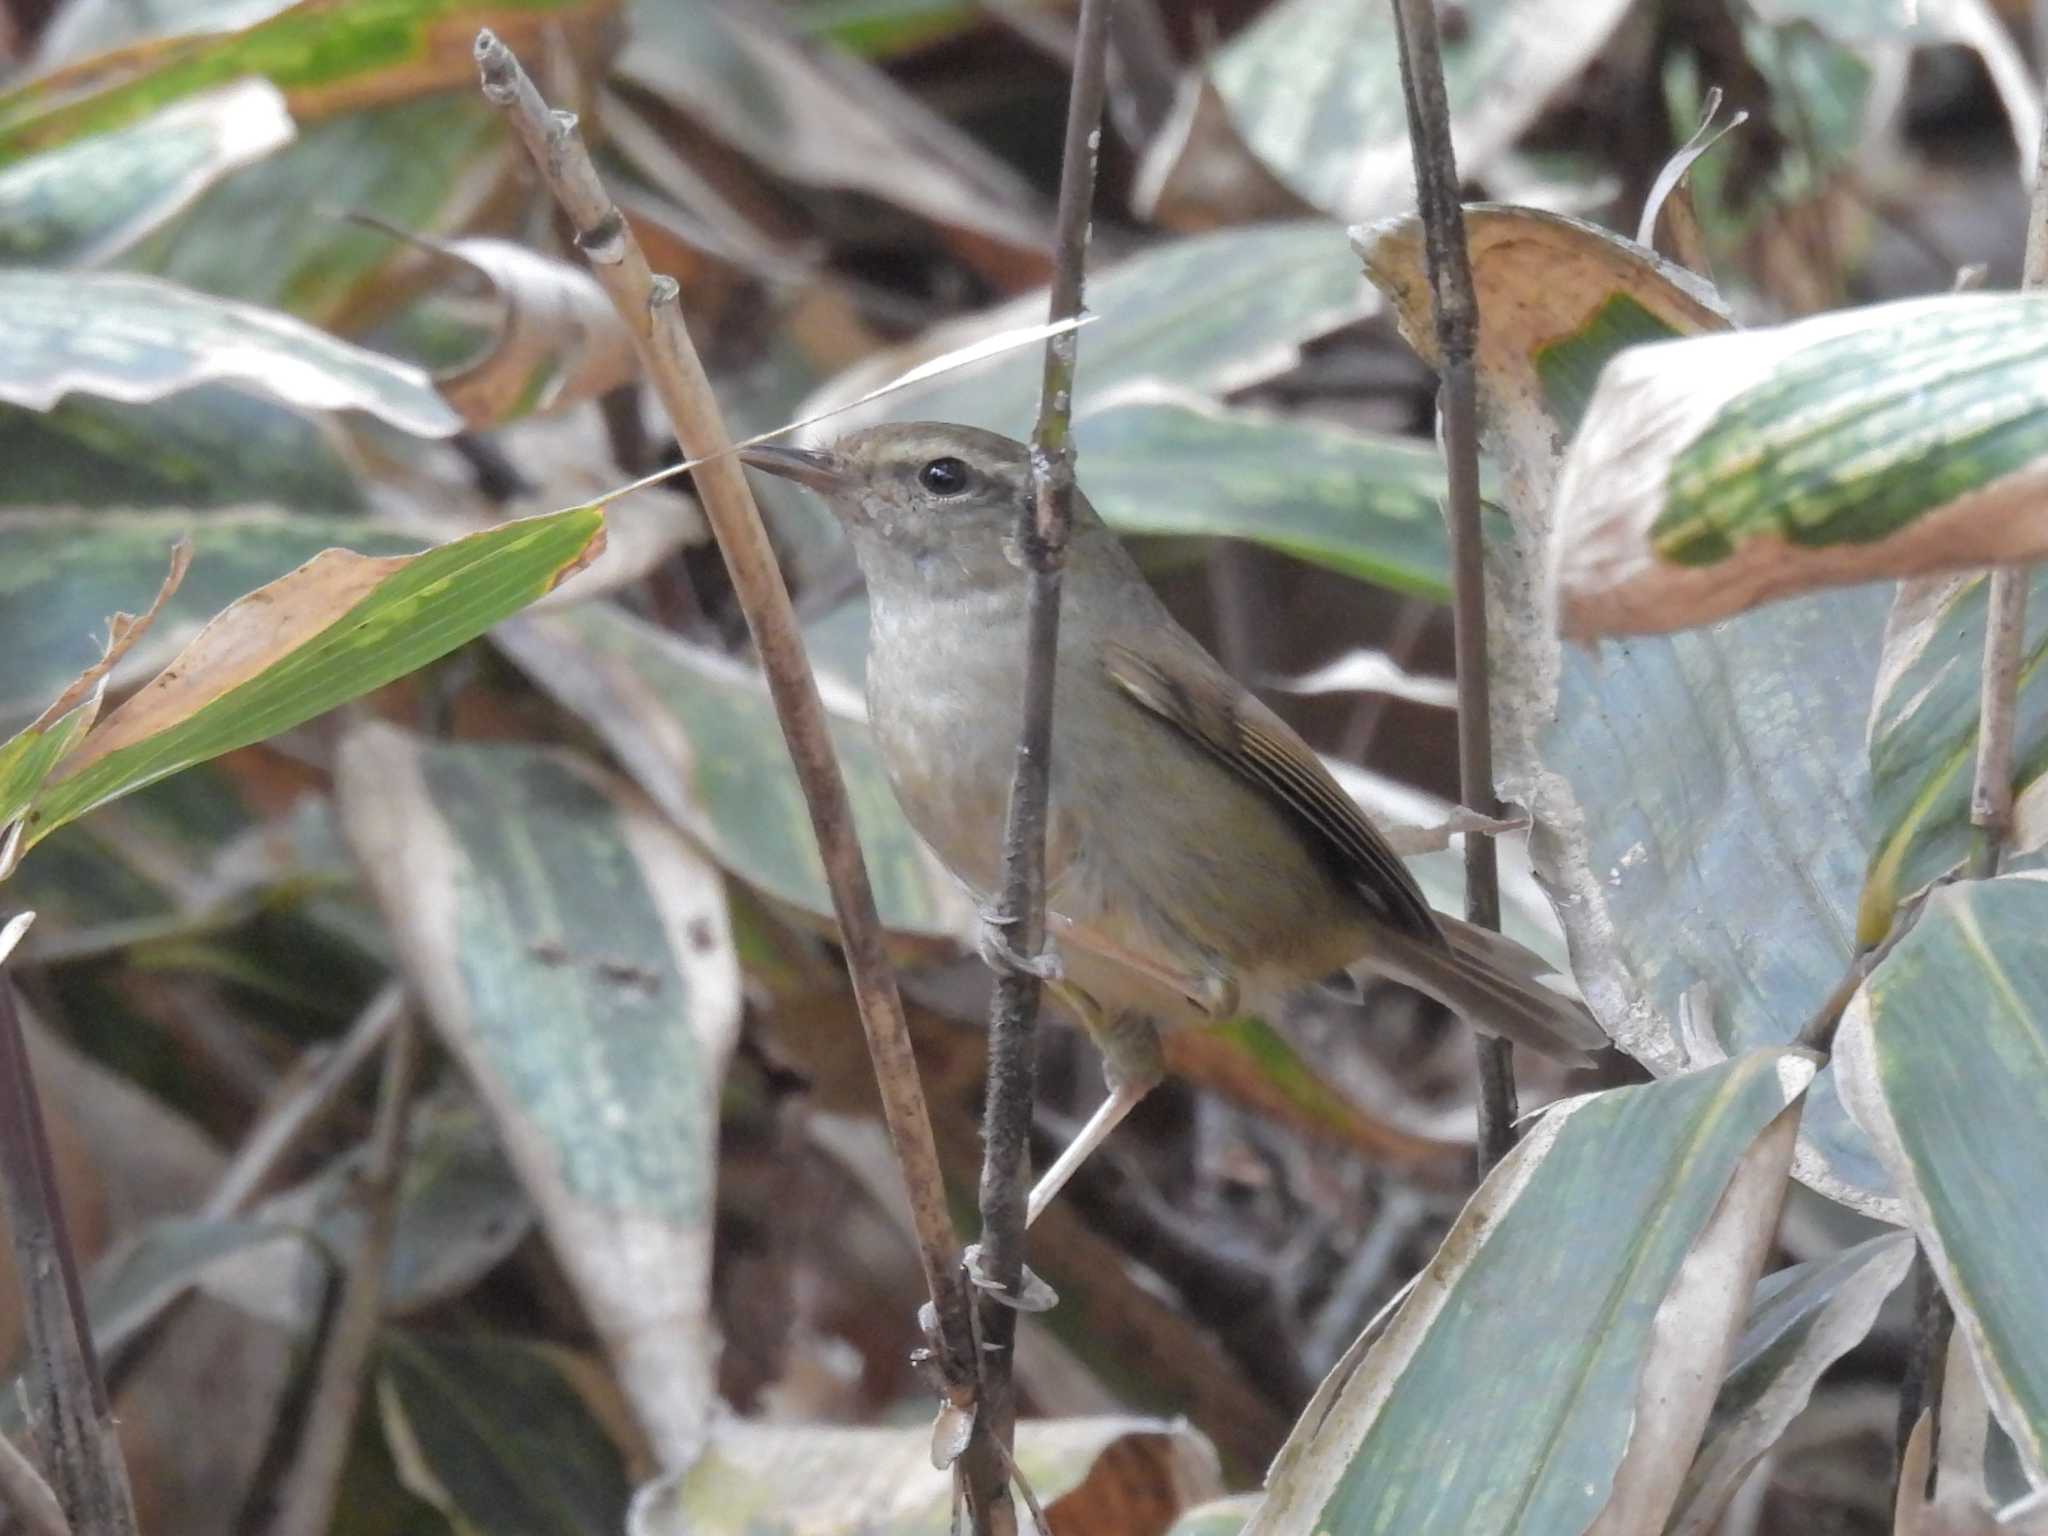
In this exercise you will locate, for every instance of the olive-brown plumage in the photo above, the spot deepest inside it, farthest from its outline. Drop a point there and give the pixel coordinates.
(1200, 859)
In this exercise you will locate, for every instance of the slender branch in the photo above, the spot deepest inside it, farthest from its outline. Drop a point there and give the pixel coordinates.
(70, 1416)
(1457, 337)
(1013, 1015)
(2005, 622)
(309, 1496)
(298, 1114)
(648, 305)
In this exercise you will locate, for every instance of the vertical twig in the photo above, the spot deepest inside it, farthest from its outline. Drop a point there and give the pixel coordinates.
(1457, 337)
(1013, 1015)
(70, 1418)
(309, 1496)
(649, 306)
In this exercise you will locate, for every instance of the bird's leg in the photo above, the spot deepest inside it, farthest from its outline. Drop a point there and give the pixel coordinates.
(993, 944)
(1132, 1061)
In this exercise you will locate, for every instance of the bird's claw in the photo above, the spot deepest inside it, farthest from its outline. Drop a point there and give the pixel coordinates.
(1001, 955)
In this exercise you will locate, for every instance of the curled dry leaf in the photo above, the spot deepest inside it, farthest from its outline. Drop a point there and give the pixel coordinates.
(555, 339)
(1713, 474)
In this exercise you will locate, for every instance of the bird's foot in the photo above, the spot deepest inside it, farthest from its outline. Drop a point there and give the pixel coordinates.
(992, 942)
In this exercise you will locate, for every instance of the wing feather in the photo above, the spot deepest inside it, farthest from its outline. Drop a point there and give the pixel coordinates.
(1229, 724)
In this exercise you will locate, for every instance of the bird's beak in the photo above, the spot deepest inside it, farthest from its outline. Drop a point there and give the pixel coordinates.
(820, 470)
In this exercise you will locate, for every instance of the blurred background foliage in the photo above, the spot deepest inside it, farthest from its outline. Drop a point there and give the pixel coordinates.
(642, 1202)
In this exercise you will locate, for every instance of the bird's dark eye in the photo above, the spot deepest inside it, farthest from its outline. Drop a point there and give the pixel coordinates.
(943, 477)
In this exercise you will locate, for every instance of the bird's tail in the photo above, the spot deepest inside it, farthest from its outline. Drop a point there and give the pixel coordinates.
(1491, 982)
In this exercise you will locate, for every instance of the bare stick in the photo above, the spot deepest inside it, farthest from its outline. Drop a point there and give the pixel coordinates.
(308, 1503)
(1457, 337)
(297, 1115)
(2005, 622)
(1013, 1015)
(648, 305)
(69, 1415)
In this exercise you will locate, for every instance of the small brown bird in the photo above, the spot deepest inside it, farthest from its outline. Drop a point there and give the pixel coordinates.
(1200, 859)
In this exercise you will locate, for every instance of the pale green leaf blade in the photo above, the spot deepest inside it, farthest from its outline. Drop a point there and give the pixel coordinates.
(1802, 1320)
(1306, 84)
(216, 445)
(87, 202)
(1531, 1384)
(124, 337)
(432, 167)
(1208, 314)
(1944, 1058)
(699, 734)
(525, 888)
(235, 684)
(1367, 506)
(1717, 473)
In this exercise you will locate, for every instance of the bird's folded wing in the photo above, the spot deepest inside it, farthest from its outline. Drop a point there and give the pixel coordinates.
(1215, 712)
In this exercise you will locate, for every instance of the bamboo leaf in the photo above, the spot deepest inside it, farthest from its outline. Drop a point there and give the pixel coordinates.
(1718, 473)
(1944, 1060)
(338, 626)
(524, 885)
(89, 201)
(122, 337)
(1576, 1407)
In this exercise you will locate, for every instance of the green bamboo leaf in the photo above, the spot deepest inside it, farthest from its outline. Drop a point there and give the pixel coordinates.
(62, 573)
(123, 337)
(1585, 1396)
(1944, 1059)
(431, 166)
(524, 885)
(1698, 798)
(493, 1433)
(89, 201)
(1717, 473)
(337, 627)
(1923, 741)
(326, 56)
(698, 733)
(217, 445)
(1206, 315)
(1367, 506)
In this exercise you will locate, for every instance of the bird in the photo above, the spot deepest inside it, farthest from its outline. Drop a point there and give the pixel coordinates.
(1201, 861)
